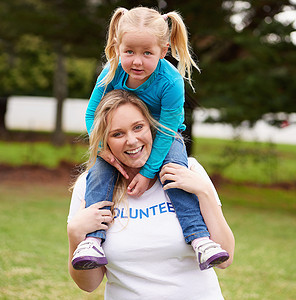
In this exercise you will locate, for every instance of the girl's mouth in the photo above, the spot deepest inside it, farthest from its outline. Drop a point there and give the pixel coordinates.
(137, 71)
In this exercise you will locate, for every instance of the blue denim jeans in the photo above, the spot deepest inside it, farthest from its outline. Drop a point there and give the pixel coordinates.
(186, 205)
(102, 177)
(100, 182)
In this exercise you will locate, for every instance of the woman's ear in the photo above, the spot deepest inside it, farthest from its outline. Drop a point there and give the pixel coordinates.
(164, 50)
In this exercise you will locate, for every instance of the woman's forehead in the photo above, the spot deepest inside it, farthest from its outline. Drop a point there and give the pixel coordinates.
(125, 114)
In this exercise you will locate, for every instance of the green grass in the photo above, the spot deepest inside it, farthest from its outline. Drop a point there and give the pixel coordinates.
(240, 161)
(33, 252)
(34, 249)
(41, 153)
(263, 222)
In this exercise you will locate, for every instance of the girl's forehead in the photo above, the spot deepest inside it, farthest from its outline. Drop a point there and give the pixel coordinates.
(142, 37)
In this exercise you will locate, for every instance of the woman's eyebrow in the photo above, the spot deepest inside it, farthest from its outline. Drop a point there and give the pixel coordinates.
(133, 124)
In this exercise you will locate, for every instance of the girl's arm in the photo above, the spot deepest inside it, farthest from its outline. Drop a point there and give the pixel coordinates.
(171, 93)
(194, 181)
(84, 221)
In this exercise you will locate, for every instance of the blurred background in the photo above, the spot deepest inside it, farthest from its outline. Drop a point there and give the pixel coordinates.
(245, 49)
(241, 125)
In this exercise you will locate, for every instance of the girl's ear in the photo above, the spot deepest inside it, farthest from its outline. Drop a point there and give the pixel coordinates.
(164, 50)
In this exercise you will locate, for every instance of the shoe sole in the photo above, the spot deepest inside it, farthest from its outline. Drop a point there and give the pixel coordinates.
(88, 262)
(214, 261)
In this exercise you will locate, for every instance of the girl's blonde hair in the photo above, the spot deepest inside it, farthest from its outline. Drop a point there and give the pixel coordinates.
(148, 19)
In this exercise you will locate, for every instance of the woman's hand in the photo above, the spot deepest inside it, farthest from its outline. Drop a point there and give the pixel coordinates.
(87, 220)
(138, 185)
(111, 159)
(183, 178)
(90, 219)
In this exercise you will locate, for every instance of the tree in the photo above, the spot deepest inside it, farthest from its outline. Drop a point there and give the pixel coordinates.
(248, 67)
(70, 28)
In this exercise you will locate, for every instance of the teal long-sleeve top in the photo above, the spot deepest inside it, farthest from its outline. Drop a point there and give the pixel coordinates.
(163, 93)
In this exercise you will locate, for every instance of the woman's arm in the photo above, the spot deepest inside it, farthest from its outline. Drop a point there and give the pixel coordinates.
(192, 181)
(86, 220)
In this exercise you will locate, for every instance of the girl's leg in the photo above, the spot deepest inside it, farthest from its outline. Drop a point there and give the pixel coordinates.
(100, 182)
(187, 209)
(186, 204)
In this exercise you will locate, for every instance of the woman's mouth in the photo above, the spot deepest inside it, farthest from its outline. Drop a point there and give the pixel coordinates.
(134, 151)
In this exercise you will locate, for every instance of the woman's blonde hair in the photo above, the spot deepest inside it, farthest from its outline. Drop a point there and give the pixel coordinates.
(101, 128)
(148, 19)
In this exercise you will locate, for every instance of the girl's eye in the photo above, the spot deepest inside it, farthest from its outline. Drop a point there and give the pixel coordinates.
(147, 53)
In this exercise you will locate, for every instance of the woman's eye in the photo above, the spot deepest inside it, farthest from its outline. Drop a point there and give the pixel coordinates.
(138, 127)
(116, 134)
(129, 52)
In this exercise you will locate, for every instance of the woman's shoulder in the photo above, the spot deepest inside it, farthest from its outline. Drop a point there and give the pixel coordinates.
(192, 162)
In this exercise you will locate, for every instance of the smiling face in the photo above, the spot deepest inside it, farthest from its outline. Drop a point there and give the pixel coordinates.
(139, 53)
(129, 137)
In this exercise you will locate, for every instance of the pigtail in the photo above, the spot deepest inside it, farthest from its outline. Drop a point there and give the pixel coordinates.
(180, 47)
(110, 49)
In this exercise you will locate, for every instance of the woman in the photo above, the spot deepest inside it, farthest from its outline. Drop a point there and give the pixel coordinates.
(148, 257)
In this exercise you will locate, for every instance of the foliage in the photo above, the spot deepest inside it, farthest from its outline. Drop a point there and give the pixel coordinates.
(248, 67)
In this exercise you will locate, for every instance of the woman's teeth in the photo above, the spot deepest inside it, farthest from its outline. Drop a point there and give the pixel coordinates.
(134, 151)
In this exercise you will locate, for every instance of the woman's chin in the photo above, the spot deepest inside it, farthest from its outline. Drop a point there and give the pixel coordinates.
(135, 164)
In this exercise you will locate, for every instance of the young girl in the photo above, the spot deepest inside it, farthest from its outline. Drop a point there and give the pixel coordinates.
(138, 41)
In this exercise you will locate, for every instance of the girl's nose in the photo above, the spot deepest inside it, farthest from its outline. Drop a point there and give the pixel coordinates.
(137, 60)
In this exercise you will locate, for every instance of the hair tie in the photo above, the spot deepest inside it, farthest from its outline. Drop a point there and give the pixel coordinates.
(165, 17)
(124, 10)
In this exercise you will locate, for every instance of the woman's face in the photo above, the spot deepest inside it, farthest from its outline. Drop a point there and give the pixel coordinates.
(129, 138)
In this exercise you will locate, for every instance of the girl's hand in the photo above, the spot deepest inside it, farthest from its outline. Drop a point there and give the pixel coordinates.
(138, 185)
(111, 159)
(183, 178)
(91, 218)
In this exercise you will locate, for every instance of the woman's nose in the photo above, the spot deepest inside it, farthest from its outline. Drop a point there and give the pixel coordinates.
(131, 139)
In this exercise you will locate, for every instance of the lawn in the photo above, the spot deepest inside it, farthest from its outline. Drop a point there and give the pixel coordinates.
(33, 252)
(34, 249)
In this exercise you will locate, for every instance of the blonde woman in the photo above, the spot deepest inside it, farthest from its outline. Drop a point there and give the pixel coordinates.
(148, 257)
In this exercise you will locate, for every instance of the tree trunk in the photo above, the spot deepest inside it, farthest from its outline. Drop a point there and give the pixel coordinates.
(60, 92)
(3, 108)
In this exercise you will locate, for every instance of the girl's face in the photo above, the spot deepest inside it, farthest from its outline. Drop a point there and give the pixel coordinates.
(140, 53)
(129, 138)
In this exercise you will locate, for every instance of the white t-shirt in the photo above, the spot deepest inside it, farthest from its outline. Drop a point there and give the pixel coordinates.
(147, 254)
